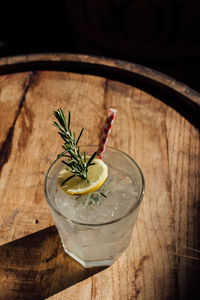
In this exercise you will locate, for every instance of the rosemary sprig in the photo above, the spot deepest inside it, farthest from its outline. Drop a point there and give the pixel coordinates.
(77, 164)
(103, 195)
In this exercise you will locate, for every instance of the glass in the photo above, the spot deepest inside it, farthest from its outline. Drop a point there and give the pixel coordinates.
(92, 242)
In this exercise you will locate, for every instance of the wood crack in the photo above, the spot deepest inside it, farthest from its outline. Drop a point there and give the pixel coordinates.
(6, 147)
(52, 256)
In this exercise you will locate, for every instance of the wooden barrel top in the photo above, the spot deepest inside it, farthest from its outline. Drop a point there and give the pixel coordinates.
(157, 124)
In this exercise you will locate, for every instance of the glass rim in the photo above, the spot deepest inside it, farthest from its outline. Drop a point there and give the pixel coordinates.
(139, 200)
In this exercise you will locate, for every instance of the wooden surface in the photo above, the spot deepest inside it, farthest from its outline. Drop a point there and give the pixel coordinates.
(163, 258)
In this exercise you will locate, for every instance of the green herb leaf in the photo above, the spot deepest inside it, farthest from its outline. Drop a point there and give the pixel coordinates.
(77, 163)
(79, 136)
(68, 179)
(69, 119)
(103, 195)
(91, 158)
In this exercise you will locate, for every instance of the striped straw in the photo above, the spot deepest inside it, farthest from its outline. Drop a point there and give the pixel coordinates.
(106, 132)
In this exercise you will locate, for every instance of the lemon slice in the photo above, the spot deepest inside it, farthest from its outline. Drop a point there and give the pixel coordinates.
(97, 174)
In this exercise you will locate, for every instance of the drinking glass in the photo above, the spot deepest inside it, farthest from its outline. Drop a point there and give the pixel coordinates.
(99, 243)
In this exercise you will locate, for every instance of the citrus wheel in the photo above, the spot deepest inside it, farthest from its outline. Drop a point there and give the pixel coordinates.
(97, 175)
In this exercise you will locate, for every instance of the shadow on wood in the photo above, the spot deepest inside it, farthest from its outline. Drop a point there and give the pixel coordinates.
(36, 267)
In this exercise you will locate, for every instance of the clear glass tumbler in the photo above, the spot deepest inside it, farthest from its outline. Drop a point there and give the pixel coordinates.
(100, 243)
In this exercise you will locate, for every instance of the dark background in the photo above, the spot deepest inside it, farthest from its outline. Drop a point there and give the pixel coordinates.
(161, 34)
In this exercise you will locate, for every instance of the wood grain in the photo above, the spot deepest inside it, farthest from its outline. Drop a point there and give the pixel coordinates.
(162, 260)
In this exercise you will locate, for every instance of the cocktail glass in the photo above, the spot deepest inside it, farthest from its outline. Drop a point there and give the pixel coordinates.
(99, 243)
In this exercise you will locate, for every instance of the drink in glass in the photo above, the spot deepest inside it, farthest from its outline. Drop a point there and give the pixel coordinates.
(96, 228)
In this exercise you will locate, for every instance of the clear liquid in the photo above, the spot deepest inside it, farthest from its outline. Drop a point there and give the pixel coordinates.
(94, 244)
(121, 196)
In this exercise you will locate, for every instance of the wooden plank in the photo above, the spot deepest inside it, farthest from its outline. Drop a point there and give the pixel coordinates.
(162, 260)
(33, 149)
(183, 155)
(12, 89)
(30, 262)
(149, 268)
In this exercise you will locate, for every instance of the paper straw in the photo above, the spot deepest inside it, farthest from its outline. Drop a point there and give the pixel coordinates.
(106, 132)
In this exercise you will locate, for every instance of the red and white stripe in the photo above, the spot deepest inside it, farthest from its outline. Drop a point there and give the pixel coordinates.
(106, 132)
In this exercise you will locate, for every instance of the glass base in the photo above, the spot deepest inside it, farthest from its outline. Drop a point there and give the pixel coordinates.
(89, 264)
